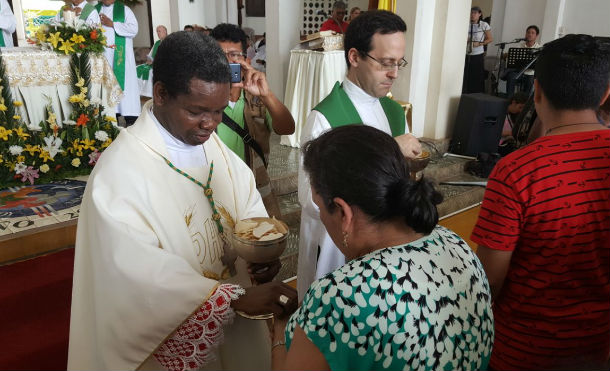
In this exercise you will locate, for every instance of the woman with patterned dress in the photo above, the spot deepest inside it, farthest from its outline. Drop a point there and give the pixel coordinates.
(412, 295)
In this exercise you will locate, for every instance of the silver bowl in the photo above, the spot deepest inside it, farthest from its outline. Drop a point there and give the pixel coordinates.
(261, 251)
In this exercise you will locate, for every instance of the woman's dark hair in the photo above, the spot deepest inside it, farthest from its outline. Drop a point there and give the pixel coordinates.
(231, 33)
(573, 72)
(185, 55)
(361, 30)
(364, 167)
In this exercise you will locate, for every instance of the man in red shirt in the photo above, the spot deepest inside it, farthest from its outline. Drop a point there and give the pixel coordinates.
(336, 22)
(544, 227)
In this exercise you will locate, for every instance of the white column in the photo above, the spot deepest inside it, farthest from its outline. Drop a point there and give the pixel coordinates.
(282, 35)
(553, 20)
(436, 39)
(412, 83)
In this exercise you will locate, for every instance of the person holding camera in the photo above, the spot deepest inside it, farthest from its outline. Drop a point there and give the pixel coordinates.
(252, 113)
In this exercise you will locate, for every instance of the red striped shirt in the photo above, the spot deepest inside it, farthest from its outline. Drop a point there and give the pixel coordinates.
(549, 203)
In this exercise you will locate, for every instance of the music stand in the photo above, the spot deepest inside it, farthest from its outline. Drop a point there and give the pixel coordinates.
(519, 57)
(527, 117)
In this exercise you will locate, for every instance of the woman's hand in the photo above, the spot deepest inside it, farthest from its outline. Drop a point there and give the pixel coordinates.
(264, 272)
(272, 297)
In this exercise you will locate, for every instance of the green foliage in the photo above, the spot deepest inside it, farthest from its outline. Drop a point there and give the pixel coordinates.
(49, 150)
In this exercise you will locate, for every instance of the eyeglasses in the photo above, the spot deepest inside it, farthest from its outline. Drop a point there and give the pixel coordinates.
(389, 66)
(234, 55)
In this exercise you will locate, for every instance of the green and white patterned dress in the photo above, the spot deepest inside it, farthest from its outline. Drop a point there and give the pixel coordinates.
(422, 306)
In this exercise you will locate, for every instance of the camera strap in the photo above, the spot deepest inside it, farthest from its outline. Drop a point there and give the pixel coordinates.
(245, 136)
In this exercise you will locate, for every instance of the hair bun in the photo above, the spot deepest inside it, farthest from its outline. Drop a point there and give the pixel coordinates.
(416, 201)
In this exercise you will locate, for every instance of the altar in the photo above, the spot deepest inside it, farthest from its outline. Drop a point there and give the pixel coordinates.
(38, 77)
(311, 76)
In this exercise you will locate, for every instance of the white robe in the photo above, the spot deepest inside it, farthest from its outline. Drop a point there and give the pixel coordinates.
(7, 23)
(93, 19)
(313, 233)
(130, 104)
(145, 244)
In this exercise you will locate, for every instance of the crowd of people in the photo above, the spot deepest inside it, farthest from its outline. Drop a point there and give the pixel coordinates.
(158, 285)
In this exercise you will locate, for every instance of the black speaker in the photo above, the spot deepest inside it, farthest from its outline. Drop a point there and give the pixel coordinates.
(478, 126)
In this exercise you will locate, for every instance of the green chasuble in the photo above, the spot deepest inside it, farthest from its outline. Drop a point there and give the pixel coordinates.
(143, 70)
(118, 15)
(339, 111)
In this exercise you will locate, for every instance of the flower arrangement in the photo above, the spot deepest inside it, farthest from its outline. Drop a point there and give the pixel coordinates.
(50, 150)
(71, 37)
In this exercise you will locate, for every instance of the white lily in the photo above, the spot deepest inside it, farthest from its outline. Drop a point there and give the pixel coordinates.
(53, 145)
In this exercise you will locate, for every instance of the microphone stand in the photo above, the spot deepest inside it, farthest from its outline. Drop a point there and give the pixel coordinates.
(499, 55)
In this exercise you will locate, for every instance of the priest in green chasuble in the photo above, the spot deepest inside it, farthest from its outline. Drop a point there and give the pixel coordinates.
(156, 283)
(374, 51)
(120, 27)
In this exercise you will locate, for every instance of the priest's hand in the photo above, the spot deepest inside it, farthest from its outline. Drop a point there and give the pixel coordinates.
(77, 11)
(409, 145)
(272, 297)
(106, 21)
(264, 272)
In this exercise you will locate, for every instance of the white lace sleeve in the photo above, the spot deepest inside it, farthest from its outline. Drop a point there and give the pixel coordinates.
(192, 345)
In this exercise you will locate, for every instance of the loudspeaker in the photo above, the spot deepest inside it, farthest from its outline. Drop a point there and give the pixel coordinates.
(478, 126)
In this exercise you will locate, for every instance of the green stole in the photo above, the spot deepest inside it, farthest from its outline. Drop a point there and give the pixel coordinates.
(143, 70)
(84, 14)
(339, 111)
(118, 15)
(2, 44)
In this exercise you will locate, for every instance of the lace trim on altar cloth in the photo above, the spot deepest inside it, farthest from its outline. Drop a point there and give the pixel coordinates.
(194, 343)
(30, 66)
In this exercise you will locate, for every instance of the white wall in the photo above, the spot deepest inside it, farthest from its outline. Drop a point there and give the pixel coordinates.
(198, 12)
(161, 15)
(586, 16)
(485, 5)
(518, 14)
(282, 36)
(142, 39)
(258, 24)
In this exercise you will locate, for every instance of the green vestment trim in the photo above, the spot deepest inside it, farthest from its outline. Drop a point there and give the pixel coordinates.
(339, 111)
(118, 15)
(2, 44)
(143, 70)
(154, 49)
(87, 9)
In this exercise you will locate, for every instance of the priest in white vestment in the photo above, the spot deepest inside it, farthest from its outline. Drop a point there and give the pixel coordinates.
(155, 284)
(371, 72)
(8, 24)
(83, 10)
(116, 30)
